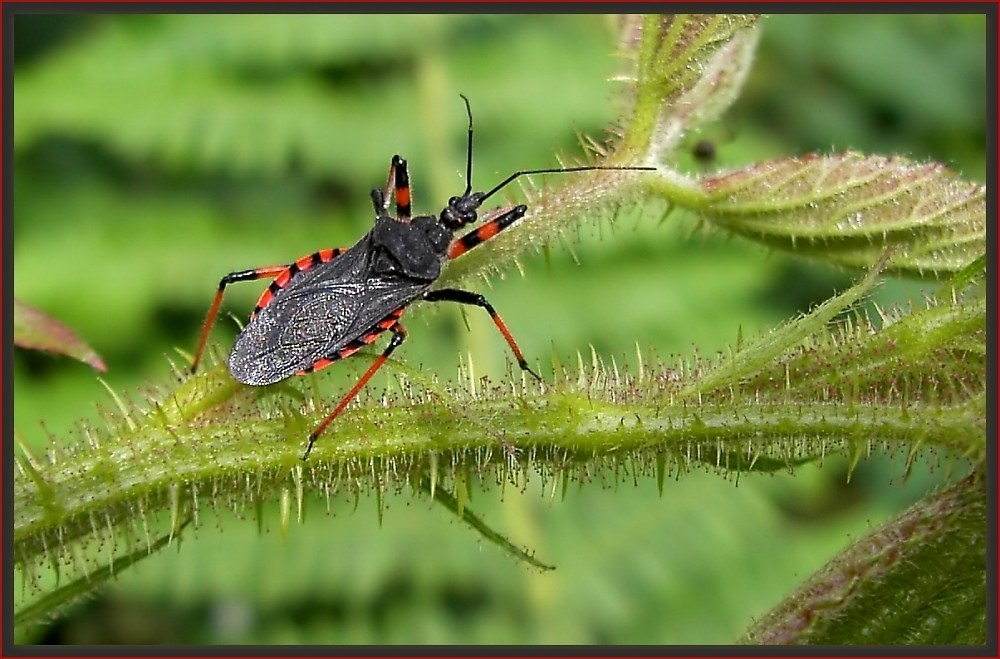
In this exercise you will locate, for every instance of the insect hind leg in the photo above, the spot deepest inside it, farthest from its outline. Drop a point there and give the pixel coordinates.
(398, 336)
(477, 300)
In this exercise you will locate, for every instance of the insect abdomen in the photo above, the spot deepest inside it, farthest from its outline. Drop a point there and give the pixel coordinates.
(293, 333)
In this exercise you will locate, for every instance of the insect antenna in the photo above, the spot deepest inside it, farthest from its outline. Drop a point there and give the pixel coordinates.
(525, 172)
(561, 170)
(468, 155)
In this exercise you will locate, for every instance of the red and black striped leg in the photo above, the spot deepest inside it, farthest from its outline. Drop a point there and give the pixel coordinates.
(398, 336)
(486, 231)
(282, 275)
(287, 274)
(401, 188)
(213, 311)
(398, 182)
(475, 299)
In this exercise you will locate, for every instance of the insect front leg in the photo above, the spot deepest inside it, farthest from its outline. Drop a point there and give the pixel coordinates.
(475, 299)
(486, 231)
(213, 311)
(398, 336)
(398, 182)
(401, 188)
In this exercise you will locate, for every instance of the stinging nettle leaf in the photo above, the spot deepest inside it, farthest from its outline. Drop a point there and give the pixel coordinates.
(848, 208)
(690, 68)
(920, 579)
(36, 330)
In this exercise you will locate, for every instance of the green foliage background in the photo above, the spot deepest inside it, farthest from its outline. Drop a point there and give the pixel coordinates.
(155, 153)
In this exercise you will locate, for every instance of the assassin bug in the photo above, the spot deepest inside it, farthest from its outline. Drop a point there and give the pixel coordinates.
(329, 304)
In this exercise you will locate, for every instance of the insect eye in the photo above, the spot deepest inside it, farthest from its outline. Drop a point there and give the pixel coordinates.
(453, 200)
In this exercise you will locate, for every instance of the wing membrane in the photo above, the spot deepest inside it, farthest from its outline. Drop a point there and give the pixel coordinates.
(306, 323)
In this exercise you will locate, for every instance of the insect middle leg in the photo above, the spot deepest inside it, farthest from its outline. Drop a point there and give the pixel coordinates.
(475, 299)
(398, 336)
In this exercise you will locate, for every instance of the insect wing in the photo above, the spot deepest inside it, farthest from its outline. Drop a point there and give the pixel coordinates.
(318, 313)
(298, 328)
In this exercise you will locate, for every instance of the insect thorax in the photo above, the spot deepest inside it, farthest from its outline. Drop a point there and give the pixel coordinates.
(415, 249)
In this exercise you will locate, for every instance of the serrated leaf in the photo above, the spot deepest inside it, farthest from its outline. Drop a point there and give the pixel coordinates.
(849, 208)
(749, 360)
(690, 68)
(920, 579)
(37, 330)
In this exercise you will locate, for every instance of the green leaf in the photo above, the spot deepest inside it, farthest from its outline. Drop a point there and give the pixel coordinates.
(689, 70)
(919, 580)
(848, 208)
(36, 330)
